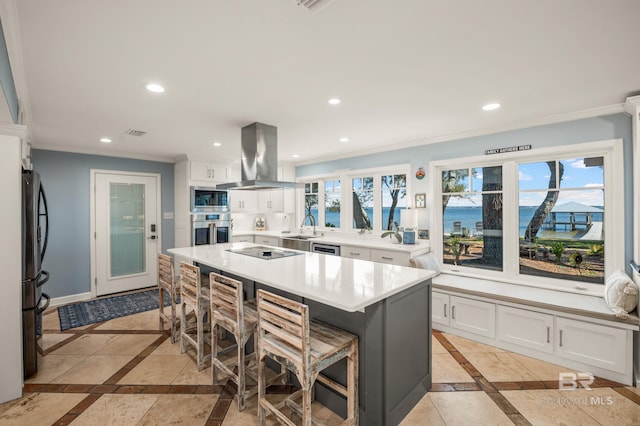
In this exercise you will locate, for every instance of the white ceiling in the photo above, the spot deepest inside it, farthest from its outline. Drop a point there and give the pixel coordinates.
(407, 71)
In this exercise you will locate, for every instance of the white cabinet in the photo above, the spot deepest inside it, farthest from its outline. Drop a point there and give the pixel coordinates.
(208, 172)
(533, 330)
(390, 256)
(354, 252)
(242, 239)
(592, 344)
(242, 201)
(440, 308)
(473, 316)
(271, 200)
(464, 314)
(267, 240)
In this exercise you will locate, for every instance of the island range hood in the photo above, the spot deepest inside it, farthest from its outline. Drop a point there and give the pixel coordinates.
(259, 160)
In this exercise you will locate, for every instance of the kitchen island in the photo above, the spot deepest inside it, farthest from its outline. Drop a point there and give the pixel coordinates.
(387, 306)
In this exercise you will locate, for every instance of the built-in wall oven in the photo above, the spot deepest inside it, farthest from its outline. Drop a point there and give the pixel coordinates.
(205, 199)
(210, 228)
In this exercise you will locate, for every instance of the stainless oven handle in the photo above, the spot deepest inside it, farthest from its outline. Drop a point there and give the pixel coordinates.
(212, 233)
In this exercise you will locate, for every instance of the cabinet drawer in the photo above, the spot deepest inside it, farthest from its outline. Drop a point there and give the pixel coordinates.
(390, 256)
(524, 328)
(266, 240)
(242, 239)
(592, 344)
(473, 316)
(354, 252)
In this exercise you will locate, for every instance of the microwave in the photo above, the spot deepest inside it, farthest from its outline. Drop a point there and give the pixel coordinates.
(204, 199)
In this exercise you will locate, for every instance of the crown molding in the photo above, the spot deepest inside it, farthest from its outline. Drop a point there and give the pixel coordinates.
(102, 153)
(14, 130)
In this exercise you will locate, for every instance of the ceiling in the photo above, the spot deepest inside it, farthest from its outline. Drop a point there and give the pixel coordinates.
(408, 72)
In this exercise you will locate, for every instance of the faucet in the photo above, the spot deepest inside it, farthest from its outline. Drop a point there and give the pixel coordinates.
(312, 220)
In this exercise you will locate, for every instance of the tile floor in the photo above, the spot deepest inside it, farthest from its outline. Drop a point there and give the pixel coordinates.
(126, 372)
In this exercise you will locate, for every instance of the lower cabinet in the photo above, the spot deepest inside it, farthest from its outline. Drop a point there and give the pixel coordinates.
(390, 256)
(440, 308)
(533, 330)
(473, 316)
(242, 239)
(267, 240)
(592, 344)
(354, 252)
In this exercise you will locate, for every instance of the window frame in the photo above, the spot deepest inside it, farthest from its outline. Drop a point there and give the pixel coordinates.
(346, 205)
(610, 150)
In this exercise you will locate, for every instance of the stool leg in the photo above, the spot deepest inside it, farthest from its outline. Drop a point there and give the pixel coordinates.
(352, 385)
(241, 375)
(307, 393)
(161, 307)
(183, 327)
(173, 317)
(214, 351)
(200, 334)
(261, 390)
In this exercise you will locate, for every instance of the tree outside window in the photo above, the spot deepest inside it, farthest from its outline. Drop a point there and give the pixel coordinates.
(310, 203)
(332, 203)
(394, 197)
(362, 196)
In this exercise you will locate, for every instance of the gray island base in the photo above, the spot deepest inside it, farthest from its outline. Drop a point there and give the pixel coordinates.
(394, 351)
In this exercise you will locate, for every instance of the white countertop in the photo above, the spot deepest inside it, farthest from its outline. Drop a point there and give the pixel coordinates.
(367, 240)
(347, 284)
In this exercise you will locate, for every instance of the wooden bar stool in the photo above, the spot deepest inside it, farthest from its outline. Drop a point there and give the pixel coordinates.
(230, 312)
(196, 296)
(305, 347)
(167, 285)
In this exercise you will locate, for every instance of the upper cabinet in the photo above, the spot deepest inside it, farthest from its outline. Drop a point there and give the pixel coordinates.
(204, 172)
(271, 200)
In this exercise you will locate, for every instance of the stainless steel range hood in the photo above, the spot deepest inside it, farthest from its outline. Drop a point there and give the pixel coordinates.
(259, 159)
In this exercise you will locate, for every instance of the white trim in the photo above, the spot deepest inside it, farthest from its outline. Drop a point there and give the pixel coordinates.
(538, 121)
(632, 106)
(64, 300)
(92, 214)
(611, 150)
(104, 153)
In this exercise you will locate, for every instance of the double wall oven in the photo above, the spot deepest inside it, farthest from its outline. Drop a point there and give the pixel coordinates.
(210, 217)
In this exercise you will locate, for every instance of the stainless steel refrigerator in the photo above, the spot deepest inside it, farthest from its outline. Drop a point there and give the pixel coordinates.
(35, 232)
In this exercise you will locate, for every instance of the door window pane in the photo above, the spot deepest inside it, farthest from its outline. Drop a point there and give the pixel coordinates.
(332, 203)
(561, 217)
(127, 220)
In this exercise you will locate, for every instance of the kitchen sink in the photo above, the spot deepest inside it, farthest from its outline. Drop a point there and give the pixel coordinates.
(298, 242)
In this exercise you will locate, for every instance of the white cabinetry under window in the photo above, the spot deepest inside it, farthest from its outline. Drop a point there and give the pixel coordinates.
(208, 172)
(440, 308)
(354, 252)
(525, 328)
(473, 316)
(592, 344)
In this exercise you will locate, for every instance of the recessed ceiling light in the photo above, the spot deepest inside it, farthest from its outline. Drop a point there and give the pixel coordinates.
(334, 101)
(295, 155)
(155, 88)
(490, 107)
(343, 140)
(217, 144)
(105, 140)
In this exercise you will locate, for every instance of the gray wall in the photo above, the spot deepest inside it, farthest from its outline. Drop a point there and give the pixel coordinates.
(615, 126)
(66, 177)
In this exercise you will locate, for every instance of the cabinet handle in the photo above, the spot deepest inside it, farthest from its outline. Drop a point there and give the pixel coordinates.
(354, 254)
(453, 312)
(445, 310)
(387, 258)
(213, 173)
(548, 334)
(560, 338)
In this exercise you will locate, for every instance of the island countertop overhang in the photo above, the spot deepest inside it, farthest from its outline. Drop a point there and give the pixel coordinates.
(347, 284)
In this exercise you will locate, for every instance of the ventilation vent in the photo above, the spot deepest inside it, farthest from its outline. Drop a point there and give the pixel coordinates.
(313, 5)
(134, 132)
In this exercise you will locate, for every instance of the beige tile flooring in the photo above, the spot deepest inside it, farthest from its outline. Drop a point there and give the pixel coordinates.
(126, 372)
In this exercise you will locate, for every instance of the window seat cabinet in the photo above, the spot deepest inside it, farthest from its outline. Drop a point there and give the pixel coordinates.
(580, 343)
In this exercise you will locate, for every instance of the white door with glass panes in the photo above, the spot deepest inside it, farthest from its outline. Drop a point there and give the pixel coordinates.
(126, 231)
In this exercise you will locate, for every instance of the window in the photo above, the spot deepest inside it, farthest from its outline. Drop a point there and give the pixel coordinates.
(332, 203)
(535, 217)
(311, 203)
(371, 199)
(362, 202)
(394, 199)
(561, 211)
(472, 217)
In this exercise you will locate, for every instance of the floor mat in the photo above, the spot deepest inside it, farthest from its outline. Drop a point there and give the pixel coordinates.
(98, 310)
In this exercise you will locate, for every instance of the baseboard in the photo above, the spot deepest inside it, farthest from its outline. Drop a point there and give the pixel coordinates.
(57, 301)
